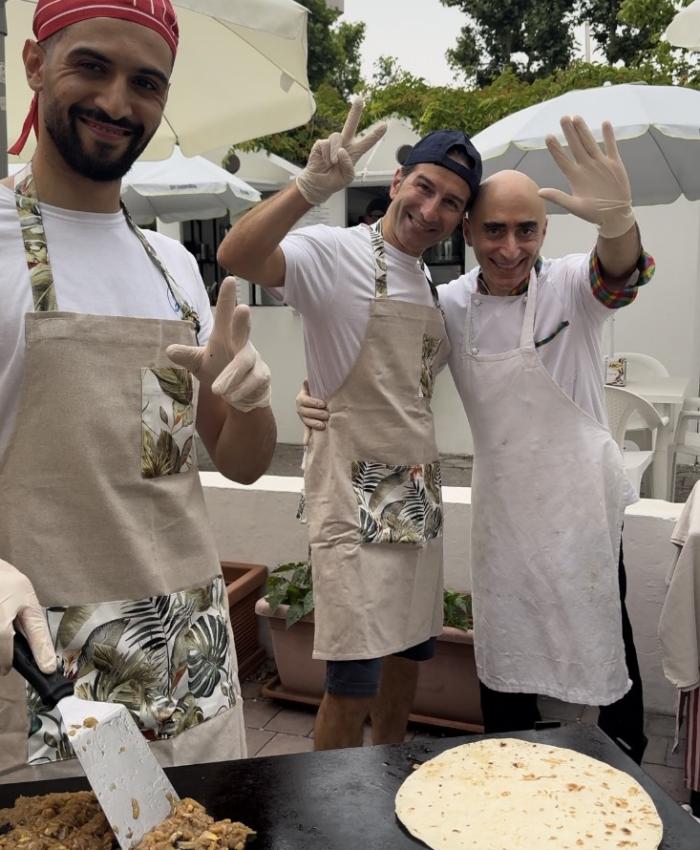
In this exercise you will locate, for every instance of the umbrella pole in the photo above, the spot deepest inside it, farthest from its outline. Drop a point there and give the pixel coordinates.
(3, 92)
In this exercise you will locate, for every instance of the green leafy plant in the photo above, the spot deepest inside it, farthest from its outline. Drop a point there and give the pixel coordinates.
(457, 608)
(290, 584)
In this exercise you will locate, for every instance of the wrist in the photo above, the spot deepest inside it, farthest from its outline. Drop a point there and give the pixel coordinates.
(310, 191)
(617, 221)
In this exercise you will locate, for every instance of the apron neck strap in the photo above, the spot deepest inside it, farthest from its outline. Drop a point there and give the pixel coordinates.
(527, 333)
(37, 254)
(380, 286)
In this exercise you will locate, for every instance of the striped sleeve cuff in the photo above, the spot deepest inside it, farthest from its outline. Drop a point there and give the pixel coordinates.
(615, 298)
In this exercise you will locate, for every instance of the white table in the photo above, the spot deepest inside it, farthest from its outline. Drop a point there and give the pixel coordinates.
(666, 393)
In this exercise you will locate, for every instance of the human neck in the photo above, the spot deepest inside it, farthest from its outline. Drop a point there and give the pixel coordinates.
(487, 289)
(57, 184)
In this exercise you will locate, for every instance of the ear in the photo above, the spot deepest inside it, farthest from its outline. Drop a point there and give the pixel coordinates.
(396, 181)
(34, 57)
(467, 231)
(544, 229)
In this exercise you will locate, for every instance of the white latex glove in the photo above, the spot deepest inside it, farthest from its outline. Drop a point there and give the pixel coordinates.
(20, 608)
(312, 411)
(229, 363)
(600, 188)
(331, 165)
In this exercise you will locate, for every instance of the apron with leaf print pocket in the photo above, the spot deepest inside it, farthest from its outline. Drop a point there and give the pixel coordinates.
(548, 497)
(373, 490)
(102, 508)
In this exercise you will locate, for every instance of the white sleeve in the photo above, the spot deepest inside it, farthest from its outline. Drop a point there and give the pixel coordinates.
(201, 301)
(572, 278)
(311, 259)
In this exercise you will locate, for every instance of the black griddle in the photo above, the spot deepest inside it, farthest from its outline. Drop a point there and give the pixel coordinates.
(344, 799)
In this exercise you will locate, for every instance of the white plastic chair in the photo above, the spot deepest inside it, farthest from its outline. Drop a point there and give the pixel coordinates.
(640, 366)
(625, 406)
(686, 440)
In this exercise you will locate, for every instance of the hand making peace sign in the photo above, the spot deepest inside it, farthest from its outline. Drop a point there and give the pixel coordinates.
(331, 164)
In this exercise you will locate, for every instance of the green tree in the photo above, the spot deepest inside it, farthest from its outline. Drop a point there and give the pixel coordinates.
(531, 37)
(629, 32)
(334, 48)
(619, 41)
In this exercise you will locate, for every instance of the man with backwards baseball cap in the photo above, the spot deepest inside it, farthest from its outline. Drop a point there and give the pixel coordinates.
(103, 529)
(375, 339)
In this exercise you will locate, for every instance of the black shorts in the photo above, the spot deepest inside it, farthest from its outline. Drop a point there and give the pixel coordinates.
(360, 678)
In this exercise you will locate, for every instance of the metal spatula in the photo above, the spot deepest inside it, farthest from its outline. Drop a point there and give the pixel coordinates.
(130, 785)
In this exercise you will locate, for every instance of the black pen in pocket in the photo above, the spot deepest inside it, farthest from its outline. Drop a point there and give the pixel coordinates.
(549, 338)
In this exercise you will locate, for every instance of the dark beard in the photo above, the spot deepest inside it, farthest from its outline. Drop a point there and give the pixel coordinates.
(100, 166)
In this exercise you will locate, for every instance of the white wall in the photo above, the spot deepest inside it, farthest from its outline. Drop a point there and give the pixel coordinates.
(258, 524)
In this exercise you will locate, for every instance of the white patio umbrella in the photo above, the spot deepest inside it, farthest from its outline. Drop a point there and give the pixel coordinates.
(684, 29)
(656, 129)
(184, 188)
(378, 166)
(240, 73)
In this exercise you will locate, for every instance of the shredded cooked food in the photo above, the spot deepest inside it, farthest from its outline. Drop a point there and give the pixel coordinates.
(74, 821)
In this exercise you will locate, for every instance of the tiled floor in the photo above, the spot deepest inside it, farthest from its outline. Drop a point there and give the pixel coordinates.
(276, 728)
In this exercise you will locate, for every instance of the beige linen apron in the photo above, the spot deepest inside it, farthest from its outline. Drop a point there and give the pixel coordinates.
(373, 493)
(101, 507)
(548, 497)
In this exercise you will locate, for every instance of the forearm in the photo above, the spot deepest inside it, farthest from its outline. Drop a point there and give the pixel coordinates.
(619, 257)
(250, 247)
(240, 444)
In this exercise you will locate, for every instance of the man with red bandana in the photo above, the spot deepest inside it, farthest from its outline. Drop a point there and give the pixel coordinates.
(109, 360)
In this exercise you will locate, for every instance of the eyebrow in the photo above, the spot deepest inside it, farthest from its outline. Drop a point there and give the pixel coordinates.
(449, 195)
(533, 223)
(89, 53)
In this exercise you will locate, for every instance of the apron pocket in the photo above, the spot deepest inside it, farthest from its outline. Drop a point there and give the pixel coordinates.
(431, 346)
(398, 504)
(167, 658)
(167, 421)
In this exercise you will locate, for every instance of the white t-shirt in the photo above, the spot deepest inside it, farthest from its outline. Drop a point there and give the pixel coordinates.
(99, 267)
(573, 358)
(330, 280)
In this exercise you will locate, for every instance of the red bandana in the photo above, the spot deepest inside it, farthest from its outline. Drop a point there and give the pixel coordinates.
(51, 16)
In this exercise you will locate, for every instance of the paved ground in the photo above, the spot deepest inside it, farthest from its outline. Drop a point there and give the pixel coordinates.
(275, 728)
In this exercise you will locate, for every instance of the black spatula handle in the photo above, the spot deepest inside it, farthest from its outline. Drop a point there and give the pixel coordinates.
(51, 687)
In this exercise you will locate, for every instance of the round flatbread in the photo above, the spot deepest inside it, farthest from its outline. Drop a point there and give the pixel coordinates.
(509, 794)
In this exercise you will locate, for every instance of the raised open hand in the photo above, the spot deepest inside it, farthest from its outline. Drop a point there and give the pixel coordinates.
(600, 188)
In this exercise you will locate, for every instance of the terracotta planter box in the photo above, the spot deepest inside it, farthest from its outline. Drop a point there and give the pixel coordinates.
(244, 584)
(448, 688)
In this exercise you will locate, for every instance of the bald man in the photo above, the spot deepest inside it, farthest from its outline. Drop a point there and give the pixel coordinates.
(103, 526)
(548, 489)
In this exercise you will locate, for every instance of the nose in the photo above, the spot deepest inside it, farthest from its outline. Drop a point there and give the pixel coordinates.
(430, 209)
(509, 247)
(113, 98)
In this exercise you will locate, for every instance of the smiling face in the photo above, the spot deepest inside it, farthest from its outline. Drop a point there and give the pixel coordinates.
(506, 229)
(427, 204)
(102, 86)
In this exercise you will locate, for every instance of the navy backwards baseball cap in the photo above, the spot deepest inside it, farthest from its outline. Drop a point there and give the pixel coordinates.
(434, 148)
